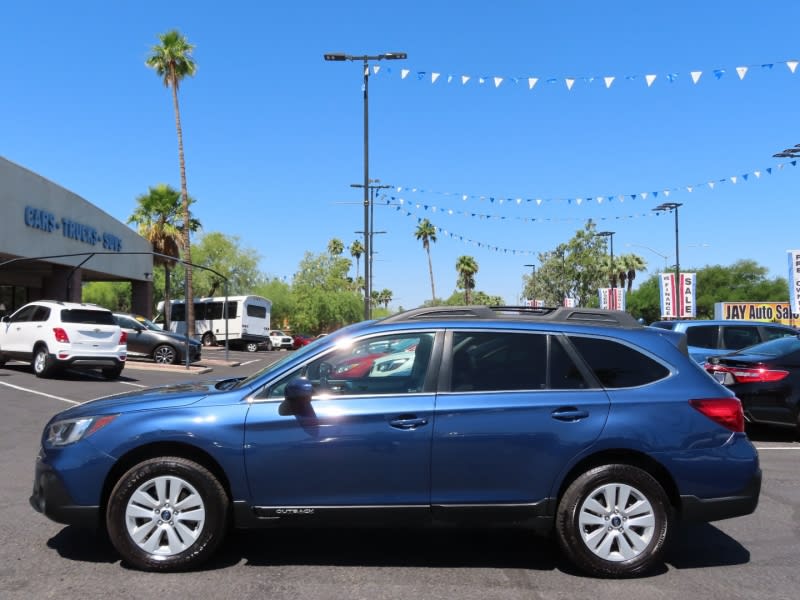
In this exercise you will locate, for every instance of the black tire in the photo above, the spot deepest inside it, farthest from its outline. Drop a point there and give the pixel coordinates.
(251, 346)
(165, 354)
(269, 346)
(113, 372)
(168, 541)
(595, 521)
(42, 363)
(2, 361)
(209, 339)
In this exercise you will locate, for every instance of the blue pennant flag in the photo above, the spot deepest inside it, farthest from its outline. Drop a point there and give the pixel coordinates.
(718, 73)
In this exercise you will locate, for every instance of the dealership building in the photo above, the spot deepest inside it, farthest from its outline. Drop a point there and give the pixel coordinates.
(52, 241)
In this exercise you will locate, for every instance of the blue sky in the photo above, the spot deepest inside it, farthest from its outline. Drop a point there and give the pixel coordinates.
(273, 133)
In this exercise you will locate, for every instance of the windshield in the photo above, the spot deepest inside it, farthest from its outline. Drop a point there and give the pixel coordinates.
(309, 348)
(776, 347)
(148, 324)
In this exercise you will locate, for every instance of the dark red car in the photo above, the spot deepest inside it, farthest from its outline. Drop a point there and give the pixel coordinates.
(300, 340)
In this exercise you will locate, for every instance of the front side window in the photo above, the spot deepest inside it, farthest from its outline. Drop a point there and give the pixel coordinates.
(24, 314)
(616, 365)
(736, 338)
(773, 333)
(389, 364)
(702, 336)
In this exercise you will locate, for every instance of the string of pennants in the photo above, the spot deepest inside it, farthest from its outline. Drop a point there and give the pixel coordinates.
(531, 82)
(579, 201)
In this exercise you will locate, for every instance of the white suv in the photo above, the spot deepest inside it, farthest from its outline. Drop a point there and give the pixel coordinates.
(54, 335)
(279, 341)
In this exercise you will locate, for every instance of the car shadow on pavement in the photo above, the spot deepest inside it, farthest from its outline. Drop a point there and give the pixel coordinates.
(765, 433)
(701, 545)
(84, 545)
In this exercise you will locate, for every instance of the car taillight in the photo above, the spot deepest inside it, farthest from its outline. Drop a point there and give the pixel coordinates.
(61, 335)
(123, 337)
(725, 411)
(757, 374)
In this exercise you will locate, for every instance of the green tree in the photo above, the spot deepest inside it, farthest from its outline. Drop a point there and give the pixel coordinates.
(225, 255)
(632, 263)
(172, 61)
(356, 250)
(427, 233)
(280, 294)
(159, 219)
(384, 297)
(466, 267)
(335, 247)
(478, 298)
(113, 295)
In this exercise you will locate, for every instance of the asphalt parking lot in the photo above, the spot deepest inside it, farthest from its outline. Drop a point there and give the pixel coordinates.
(750, 557)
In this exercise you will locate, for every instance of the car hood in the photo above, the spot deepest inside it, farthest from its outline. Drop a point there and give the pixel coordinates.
(166, 396)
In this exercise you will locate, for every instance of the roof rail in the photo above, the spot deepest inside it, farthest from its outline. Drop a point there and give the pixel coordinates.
(593, 316)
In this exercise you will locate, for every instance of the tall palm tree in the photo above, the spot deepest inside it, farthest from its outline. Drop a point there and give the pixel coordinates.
(158, 218)
(426, 232)
(335, 247)
(633, 263)
(172, 61)
(385, 297)
(467, 266)
(356, 250)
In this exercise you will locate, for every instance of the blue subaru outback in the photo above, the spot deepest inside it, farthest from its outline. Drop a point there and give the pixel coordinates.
(578, 422)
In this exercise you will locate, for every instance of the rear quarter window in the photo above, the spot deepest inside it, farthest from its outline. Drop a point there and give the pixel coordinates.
(617, 365)
(91, 317)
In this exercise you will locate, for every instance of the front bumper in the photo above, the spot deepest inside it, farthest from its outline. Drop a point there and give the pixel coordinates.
(51, 498)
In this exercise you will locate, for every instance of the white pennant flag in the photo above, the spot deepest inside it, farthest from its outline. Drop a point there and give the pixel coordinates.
(570, 83)
(741, 71)
(643, 195)
(376, 69)
(538, 202)
(481, 80)
(757, 174)
(733, 180)
(621, 197)
(434, 77)
(600, 199)
(792, 64)
(666, 193)
(689, 189)
(609, 81)
(449, 79)
(579, 201)
(696, 76)
(711, 184)
(532, 82)
(498, 81)
(404, 73)
(464, 79)
(464, 197)
(649, 79)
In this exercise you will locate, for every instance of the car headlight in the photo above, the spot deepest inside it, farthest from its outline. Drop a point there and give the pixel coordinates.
(69, 431)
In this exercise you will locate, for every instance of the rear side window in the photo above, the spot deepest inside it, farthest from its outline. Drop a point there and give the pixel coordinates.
(702, 336)
(736, 338)
(90, 317)
(617, 365)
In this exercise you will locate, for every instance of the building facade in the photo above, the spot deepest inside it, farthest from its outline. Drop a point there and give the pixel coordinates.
(52, 240)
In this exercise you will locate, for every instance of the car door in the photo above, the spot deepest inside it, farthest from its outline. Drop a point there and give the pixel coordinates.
(139, 339)
(359, 442)
(517, 409)
(20, 331)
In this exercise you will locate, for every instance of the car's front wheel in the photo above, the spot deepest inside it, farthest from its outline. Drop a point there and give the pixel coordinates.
(613, 521)
(165, 354)
(209, 339)
(42, 363)
(167, 514)
(251, 346)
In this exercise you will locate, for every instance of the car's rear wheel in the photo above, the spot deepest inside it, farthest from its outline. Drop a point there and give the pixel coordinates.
(167, 514)
(113, 372)
(42, 363)
(270, 347)
(251, 346)
(165, 354)
(613, 521)
(209, 339)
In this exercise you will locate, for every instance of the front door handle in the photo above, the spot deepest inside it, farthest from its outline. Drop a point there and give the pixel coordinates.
(408, 422)
(569, 414)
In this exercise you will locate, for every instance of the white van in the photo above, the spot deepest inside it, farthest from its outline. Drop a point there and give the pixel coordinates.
(248, 319)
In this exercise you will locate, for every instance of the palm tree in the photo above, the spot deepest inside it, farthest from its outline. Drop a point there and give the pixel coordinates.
(385, 297)
(335, 247)
(172, 61)
(158, 220)
(633, 263)
(356, 250)
(467, 266)
(426, 232)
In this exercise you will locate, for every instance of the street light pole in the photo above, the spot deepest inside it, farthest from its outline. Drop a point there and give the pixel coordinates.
(369, 249)
(673, 206)
(367, 246)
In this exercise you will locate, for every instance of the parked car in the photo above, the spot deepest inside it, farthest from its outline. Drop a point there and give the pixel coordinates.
(55, 335)
(551, 419)
(299, 340)
(279, 341)
(712, 338)
(766, 378)
(146, 339)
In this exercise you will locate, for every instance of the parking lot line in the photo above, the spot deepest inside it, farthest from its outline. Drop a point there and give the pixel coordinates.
(22, 389)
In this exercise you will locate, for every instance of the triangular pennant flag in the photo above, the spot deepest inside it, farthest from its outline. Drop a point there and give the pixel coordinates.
(532, 82)
(757, 174)
(672, 77)
(666, 193)
(741, 71)
(633, 196)
(711, 184)
(578, 201)
(769, 170)
(538, 202)
(767, 66)
(643, 195)
(689, 189)
(498, 81)
(792, 64)
(744, 176)
(481, 80)
(570, 83)
(608, 81)
(655, 195)
(464, 197)
(718, 73)
(434, 77)
(793, 163)
(376, 69)
(404, 73)
(696, 76)
(599, 199)
(733, 180)
(464, 79)
(421, 75)
(649, 79)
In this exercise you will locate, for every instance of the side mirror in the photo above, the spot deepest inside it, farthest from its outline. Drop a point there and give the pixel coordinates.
(297, 398)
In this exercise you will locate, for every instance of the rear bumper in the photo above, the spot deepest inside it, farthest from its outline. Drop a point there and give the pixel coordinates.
(716, 509)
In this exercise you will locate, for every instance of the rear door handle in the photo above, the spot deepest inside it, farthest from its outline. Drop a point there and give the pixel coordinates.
(408, 422)
(569, 414)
